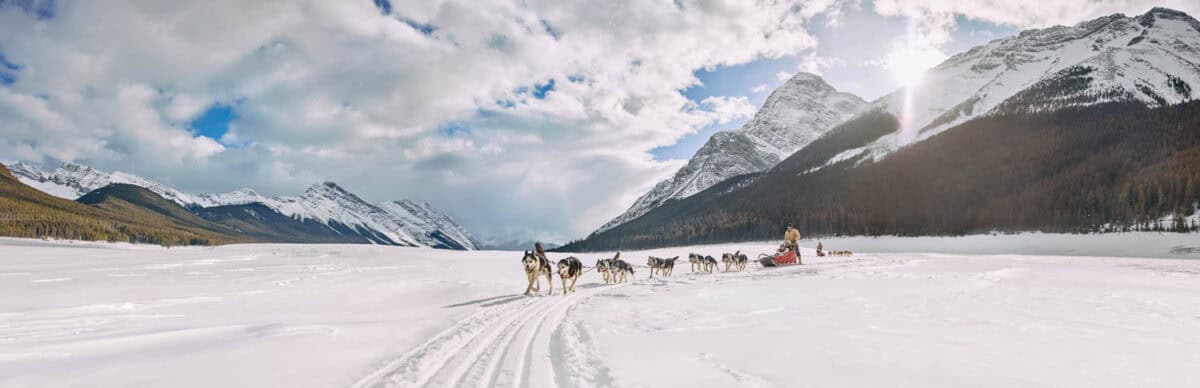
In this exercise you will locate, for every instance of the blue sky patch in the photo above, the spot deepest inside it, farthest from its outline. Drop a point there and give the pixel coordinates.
(7, 64)
(385, 6)
(540, 90)
(214, 122)
(43, 9)
(8, 70)
(550, 29)
(739, 80)
(454, 128)
(424, 28)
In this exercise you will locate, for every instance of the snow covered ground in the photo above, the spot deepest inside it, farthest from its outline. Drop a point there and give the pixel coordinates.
(91, 314)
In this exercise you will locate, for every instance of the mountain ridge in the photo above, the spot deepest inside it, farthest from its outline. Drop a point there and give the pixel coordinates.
(1150, 60)
(795, 114)
(341, 212)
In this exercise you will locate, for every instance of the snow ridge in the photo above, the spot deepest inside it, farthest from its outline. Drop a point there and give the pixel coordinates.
(397, 222)
(1153, 59)
(794, 115)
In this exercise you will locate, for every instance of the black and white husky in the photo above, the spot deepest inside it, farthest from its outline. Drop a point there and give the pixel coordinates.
(604, 267)
(570, 268)
(696, 260)
(710, 264)
(736, 261)
(663, 266)
(621, 269)
(536, 264)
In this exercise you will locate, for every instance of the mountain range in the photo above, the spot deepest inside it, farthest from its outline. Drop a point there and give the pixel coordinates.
(795, 114)
(325, 212)
(1016, 132)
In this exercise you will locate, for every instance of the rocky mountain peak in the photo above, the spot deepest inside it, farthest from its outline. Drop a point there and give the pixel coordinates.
(795, 114)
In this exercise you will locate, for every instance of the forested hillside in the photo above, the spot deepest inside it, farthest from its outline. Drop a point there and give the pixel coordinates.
(1111, 167)
(116, 213)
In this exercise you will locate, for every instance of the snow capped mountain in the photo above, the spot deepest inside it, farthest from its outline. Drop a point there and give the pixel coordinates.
(72, 180)
(417, 218)
(1152, 58)
(795, 114)
(398, 223)
(236, 197)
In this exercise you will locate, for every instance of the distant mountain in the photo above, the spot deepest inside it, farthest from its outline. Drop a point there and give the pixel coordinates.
(258, 221)
(1103, 168)
(1083, 128)
(342, 215)
(112, 213)
(1153, 59)
(517, 245)
(72, 180)
(794, 115)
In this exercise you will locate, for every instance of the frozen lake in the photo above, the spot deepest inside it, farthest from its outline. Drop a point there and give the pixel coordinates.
(973, 311)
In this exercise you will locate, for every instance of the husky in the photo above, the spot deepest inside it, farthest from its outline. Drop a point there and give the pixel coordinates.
(535, 266)
(710, 264)
(735, 261)
(729, 260)
(741, 260)
(841, 253)
(663, 266)
(620, 269)
(570, 268)
(604, 267)
(696, 260)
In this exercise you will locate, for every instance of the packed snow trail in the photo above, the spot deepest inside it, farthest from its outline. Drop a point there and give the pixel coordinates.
(514, 341)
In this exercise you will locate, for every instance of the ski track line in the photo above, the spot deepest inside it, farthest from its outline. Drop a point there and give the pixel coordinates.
(489, 353)
(493, 347)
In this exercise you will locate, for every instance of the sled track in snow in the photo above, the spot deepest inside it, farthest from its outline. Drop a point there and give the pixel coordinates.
(530, 342)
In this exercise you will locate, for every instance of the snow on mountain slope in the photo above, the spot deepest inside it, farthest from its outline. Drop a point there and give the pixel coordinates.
(795, 114)
(1152, 58)
(417, 218)
(400, 223)
(72, 180)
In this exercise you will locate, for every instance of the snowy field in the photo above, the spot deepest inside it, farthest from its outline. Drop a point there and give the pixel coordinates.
(962, 313)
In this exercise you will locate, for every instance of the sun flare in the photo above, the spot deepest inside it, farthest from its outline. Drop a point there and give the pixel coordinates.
(908, 64)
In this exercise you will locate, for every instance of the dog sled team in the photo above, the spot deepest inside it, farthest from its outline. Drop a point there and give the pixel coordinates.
(616, 270)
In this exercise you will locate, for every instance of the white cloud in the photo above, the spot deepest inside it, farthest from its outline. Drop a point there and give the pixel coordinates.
(435, 101)
(760, 88)
(811, 63)
(336, 90)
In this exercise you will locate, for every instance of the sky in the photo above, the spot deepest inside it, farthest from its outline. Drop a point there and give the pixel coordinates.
(523, 119)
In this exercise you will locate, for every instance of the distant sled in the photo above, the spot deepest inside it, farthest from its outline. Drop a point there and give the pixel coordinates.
(791, 257)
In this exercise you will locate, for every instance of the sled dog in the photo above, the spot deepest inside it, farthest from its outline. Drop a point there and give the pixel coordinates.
(604, 267)
(570, 268)
(535, 266)
(729, 260)
(621, 269)
(710, 264)
(663, 266)
(696, 260)
(741, 260)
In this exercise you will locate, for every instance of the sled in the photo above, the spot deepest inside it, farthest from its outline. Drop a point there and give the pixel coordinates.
(791, 257)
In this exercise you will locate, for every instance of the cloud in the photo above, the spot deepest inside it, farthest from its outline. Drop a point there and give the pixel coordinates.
(442, 100)
(811, 63)
(1023, 13)
(445, 101)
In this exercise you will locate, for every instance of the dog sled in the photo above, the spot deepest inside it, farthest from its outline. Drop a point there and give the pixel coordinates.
(789, 257)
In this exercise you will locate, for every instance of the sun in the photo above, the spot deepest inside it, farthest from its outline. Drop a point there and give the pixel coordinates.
(908, 64)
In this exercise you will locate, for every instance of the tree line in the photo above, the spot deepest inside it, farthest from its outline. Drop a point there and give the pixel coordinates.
(1105, 168)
